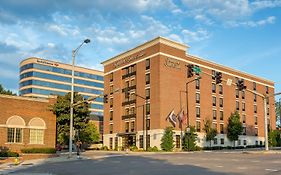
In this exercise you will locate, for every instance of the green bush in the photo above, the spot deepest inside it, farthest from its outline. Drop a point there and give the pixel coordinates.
(9, 154)
(104, 148)
(134, 148)
(152, 149)
(39, 150)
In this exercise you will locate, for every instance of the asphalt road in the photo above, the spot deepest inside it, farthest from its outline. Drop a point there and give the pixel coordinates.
(198, 163)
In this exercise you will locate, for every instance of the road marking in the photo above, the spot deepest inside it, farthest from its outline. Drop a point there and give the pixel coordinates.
(219, 166)
(242, 168)
(273, 170)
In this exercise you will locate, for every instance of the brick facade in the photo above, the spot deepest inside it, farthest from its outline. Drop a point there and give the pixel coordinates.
(28, 109)
(168, 78)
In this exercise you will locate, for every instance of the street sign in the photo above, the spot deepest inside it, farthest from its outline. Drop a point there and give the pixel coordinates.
(197, 69)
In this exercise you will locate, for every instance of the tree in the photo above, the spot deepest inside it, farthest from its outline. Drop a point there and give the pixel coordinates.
(6, 92)
(234, 128)
(167, 141)
(211, 132)
(90, 134)
(274, 139)
(81, 114)
(189, 140)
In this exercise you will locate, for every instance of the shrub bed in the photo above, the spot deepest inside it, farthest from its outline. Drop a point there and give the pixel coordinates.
(39, 150)
(9, 154)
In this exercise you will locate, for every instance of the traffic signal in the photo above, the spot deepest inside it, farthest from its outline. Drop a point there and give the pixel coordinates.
(190, 70)
(105, 98)
(240, 85)
(218, 77)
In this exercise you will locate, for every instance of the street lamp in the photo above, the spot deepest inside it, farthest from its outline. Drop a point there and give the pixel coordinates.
(74, 52)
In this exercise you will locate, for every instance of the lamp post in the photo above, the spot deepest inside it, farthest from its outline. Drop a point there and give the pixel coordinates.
(74, 52)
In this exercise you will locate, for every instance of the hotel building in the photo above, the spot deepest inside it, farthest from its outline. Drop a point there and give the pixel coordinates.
(41, 78)
(152, 80)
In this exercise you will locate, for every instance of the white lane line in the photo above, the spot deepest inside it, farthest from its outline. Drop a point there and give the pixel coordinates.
(272, 170)
(219, 166)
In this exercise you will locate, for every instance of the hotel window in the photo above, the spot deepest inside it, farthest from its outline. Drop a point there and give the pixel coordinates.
(237, 93)
(132, 110)
(178, 138)
(244, 130)
(222, 141)
(126, 71)
(36, 136)
(239, 142)
(147, 64)
(111, 77)
(266, 89)
(127, 84)
(213, 74)
(213, 87)
(255, 97)
(214, 114)
(111, 115)
(110, 142)
(132, 68)
(127, 111)
(198, 112)
(126, 126)
(111, 102)
(148, 124)
(116, 143)
(256, 131)
(110, 128)
(147, 93)
(255, 109)
(141, 141)
(221, 115)
(220, 89)
(147, 108)
(133, 82)
(197, 84)
(254, 86)
(147, 78)
(132, 126)
(243, 94)
(256, 120)
(147, 141)
(267, 101)
(214, 101)
(215, 141)
(267, 110)
(243, 106)
(221, 102)
(214, 125)
(221, 129)
(197, 98)
(111, 89)
(237, 105)
(198, 126)
(244, 118)
(15, 135)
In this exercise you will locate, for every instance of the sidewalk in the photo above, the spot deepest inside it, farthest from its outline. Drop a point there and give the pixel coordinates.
(7, 168)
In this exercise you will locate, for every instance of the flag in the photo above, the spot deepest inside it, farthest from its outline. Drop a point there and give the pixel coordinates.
(180, 117)
(172, 117)
(184, 119)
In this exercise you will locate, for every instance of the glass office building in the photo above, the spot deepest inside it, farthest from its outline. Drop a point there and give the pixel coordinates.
(41, 78)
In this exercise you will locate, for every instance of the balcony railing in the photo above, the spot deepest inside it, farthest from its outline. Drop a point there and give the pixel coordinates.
(128, 116)
(128, 75)
(128, 102)
(129, 88)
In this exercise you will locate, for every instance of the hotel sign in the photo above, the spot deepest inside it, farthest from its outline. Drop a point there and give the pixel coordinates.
(47, 62)
(173, 63)
(128, 59)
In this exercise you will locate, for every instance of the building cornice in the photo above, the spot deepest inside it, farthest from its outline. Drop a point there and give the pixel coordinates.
(26, 98)
(145, 45)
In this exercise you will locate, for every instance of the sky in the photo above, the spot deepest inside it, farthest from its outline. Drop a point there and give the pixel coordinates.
(242, 34)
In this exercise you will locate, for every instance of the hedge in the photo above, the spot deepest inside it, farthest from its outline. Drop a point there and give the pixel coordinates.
(9, 154)
(39, 150)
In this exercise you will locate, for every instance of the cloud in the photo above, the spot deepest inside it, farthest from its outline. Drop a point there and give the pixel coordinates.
(64, 30)
(5, 48)
(268, 20)
(195, 36)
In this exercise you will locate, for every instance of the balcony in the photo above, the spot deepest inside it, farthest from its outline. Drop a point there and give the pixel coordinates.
(129, 88)
(128, 102)
(128, 116)
(128, 75)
